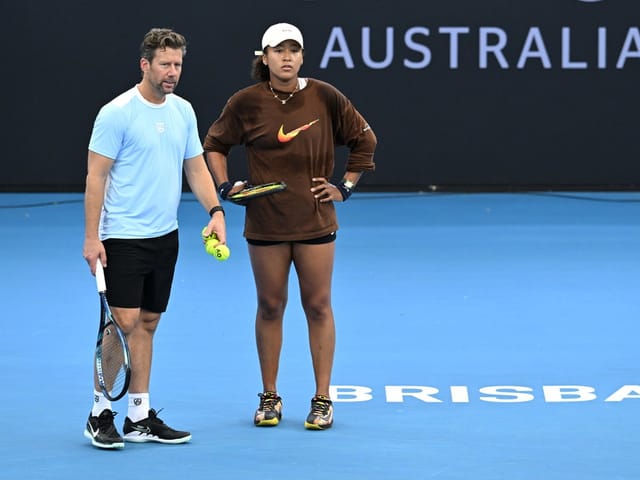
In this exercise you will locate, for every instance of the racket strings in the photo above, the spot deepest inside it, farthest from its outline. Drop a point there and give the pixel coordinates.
(111, 362)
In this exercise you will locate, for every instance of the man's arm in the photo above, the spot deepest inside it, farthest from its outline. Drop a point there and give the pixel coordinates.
(202, 186)
(98, 168)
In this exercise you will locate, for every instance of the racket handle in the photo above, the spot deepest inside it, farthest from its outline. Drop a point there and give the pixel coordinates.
(100, 282)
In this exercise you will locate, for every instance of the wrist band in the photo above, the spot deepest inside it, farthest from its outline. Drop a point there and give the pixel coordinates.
(217, 208)
(346, 192)
(224, 189)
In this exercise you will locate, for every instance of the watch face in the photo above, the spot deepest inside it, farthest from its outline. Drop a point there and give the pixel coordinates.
(348, 184)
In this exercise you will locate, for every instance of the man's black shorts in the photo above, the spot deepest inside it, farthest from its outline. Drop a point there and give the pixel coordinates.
(139, 272)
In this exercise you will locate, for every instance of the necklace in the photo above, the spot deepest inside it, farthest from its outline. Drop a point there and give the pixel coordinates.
(275, 95)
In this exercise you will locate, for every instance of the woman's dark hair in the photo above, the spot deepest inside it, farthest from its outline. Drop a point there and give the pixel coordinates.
(259, 71)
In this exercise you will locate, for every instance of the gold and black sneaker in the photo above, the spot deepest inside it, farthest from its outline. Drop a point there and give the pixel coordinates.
(321, 415)
(269, 411)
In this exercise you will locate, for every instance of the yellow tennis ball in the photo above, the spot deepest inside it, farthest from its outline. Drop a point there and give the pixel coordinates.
(211, 245)
(221, 252)
(205, 238)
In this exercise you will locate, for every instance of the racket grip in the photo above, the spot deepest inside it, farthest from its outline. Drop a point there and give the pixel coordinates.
(100, 281)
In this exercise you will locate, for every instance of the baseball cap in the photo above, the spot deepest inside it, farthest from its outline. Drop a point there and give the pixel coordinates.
(278, 33)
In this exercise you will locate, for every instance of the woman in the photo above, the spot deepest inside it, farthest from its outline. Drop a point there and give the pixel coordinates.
(290, 127)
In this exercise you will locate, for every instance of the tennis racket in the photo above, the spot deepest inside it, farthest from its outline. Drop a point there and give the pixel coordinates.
(112, 360)
(255, 191)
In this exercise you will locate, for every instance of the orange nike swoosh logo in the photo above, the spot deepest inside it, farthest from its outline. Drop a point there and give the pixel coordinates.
(287, 137)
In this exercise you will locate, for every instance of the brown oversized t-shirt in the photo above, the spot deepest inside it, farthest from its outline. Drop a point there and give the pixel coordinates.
(292, 142)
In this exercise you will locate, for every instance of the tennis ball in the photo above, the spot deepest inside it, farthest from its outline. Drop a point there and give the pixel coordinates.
(221, 252)
(211, 245)
(211, 237)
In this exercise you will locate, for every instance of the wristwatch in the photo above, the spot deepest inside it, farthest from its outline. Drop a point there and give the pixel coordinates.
(348, 184)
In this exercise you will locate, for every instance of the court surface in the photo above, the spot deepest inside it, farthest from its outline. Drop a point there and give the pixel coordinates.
(480, 336)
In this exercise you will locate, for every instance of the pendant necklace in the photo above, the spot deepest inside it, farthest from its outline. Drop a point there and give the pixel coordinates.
(275, 95)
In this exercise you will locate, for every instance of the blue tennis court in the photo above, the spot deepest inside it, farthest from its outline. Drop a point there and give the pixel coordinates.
(479, 336)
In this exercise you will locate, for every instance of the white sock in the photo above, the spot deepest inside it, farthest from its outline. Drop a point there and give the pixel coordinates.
(138, 406)
(100, 403)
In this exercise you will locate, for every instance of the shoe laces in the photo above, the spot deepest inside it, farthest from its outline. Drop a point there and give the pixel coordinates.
(105, 420)
(153, 416)
(268, 401)
(320, 405)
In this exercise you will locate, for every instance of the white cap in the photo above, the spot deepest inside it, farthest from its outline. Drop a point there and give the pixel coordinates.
(278, 33)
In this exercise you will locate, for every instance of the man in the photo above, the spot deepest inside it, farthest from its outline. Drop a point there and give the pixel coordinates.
(140, 144)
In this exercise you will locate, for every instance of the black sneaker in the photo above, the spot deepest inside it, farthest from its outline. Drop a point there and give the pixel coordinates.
(269, 412)
(152, 429)
(321, 415)
(102, 431)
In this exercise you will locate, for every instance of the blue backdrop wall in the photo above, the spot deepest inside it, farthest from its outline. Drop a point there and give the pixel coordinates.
(498, 94)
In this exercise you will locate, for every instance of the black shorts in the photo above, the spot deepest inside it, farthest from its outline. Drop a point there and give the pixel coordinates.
(140, 272)
(312, 241)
